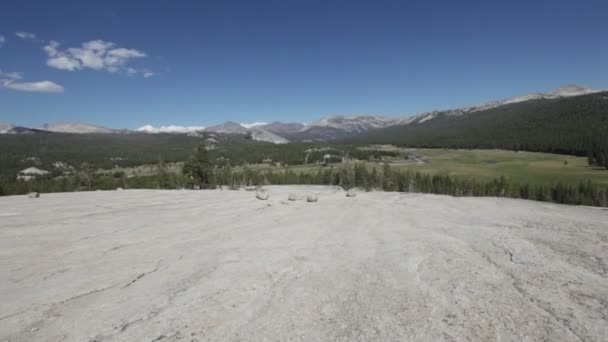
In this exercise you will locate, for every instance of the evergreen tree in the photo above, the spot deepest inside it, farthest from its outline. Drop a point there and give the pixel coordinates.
(198, 169)
(373, 179)
(601, 160)
(164, 179)
(388, 179)
(86, 173)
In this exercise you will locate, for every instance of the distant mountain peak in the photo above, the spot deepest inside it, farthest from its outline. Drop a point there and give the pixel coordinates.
(572, 90)
(75, 127)
(169, 129)
(5, 127)
(572, 87)
(356, 123)
(568, 90)
(327, 128)
(565, 91)
(260, 134)
(253, 124)
(230, 127)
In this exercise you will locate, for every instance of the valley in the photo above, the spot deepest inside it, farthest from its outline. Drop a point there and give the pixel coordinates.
(522, 167)
(189, 171)
(547, 146)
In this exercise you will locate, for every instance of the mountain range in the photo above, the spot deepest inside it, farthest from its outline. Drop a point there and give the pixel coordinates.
(329, 128)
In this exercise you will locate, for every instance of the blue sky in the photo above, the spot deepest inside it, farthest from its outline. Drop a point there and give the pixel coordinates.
(124, 64)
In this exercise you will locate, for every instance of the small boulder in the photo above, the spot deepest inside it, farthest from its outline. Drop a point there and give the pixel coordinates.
(292, 197)
(261, 195)
(311, 198)
(33, 195)
(351, 193)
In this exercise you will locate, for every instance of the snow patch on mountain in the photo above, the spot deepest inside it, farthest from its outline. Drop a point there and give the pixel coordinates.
(5, 127)
(262, 135)
(254, 124)
(356, 123)
(169, 129)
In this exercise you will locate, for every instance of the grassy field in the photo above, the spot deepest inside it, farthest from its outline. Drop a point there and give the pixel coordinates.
(523, 167)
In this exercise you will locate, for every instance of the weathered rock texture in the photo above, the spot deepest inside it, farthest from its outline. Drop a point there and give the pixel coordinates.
(142, 265)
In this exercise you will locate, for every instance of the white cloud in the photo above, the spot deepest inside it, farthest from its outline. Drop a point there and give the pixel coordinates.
(249, 125)
(148, 73)
(169, 129)
(10, 75)
(36, 87)
(144, 72)
(95, 54)
(51, 48)
(125, 53)
(12, 80)
(25, 35)
(64, 63)
(2, 40)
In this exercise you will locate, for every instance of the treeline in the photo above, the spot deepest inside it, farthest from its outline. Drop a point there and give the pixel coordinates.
(349, 176)
(563, 126)
(9, 186)
(105, 151)
(597, 148)
(102, 150)
(358, 175)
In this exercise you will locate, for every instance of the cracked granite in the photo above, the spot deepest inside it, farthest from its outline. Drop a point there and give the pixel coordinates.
(145, 265)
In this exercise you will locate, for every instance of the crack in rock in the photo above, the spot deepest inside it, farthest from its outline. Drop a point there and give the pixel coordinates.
(141, 275)
(87, 294)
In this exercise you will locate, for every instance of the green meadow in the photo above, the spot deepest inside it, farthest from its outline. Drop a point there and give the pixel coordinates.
(520, 167)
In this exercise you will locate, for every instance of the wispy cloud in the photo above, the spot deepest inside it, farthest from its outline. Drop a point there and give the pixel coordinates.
(169, 129)
(25, 35)
(36, 87)
(147, 73)
(13, 80)
(10, 75)
(95, 54)
(2, 40)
